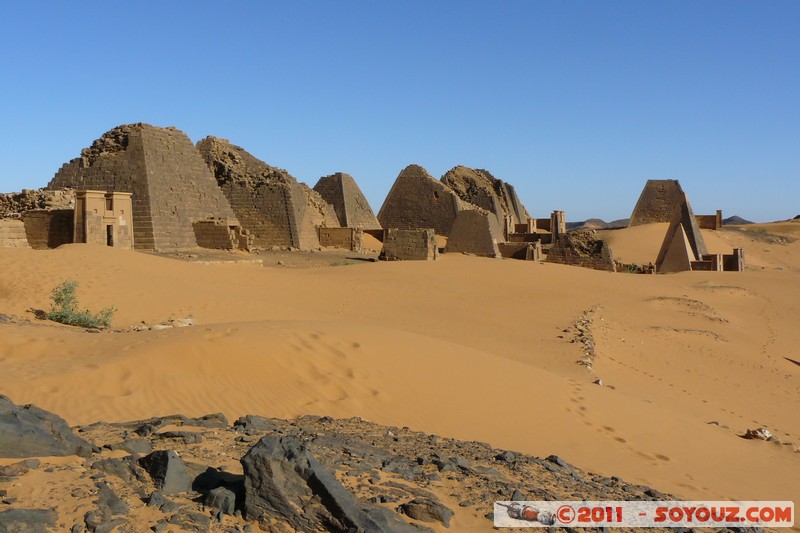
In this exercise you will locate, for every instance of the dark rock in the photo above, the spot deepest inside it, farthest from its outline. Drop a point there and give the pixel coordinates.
(190, 520)
(254, 424)
(282, 478)
(125, 468)
(162, 503)
(506, 457)
(168, 471)
(107, 498)
(27, 520)
(27, 431)
(141, 446)
(466, 503)
(20, 468)
(517, 496)
(557, 460)
(211, 478)
(427, 511)
(187, 437)
(77, 528)
(221, 501)
(101, 522)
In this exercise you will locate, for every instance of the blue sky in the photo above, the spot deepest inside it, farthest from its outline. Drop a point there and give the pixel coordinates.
(575, 103)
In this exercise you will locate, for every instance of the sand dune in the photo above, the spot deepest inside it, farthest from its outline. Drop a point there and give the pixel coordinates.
(465, 347)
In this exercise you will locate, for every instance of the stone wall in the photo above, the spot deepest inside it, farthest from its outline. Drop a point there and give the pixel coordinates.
(221, 234)
(48, 228)
(345, 238)
(171, 185)
(478, 187)
(17, 203)
(351, 206)
(581, 248)
(409, 244)
(417, 200)
(268, 201)
(527, 251)
(657, 202)
(710, 221)
(475, 232)
(12, 234)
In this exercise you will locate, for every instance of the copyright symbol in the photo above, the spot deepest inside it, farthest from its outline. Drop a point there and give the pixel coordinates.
(565, 514)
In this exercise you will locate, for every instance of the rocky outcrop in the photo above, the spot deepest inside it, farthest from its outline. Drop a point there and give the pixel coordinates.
(28, 431)
(268, 201)
(307, 474)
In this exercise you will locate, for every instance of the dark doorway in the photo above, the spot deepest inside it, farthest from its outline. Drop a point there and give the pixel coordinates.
(109, 235)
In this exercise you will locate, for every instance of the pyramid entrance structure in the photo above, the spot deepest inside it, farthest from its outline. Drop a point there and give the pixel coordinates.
(351, 206)
(684, 249)
(171, 186)
(269, 202)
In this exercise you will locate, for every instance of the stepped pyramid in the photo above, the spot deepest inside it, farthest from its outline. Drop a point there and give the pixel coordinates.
(352, 209)
(269, 202)
(418, 200)
(683, 225)
(480, 188)
(171, 185)
(657, 202)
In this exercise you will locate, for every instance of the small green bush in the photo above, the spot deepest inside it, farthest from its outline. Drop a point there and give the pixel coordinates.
(64, 309)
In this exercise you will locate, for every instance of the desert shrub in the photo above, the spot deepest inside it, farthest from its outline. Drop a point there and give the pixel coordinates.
(65, 310)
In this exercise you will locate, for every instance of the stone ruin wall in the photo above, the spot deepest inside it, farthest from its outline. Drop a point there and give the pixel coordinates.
(345, 238)
(269, 202)
(657, 202)
(475, 232)
(12, 233)
(172, 187)
(417, 200)
(350, 205)
(581, 248)
(49, 228)
(409, 244)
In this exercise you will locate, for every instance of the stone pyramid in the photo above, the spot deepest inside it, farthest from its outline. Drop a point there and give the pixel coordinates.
(269, 202)
(351, 206)
(678, 255)
(480, 188)
(418, 200)
(475, 232)
(683, 216)
(171, 184)
(657, 202)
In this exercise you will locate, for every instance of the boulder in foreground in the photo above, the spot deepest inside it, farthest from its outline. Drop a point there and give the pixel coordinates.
(28, 431)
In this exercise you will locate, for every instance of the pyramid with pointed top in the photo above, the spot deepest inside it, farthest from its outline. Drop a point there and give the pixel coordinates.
(351, 206)
(683, 222)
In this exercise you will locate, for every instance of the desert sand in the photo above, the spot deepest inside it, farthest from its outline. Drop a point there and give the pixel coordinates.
(466, 347)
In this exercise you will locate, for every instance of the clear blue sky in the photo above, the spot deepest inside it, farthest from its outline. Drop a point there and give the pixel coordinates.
(575, 103)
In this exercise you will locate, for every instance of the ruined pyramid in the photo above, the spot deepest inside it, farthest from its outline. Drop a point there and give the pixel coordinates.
(480, 188)
(678, 255)
(657, 202)
(171, 185)
(351, 206)
(268, 201)
(418, 200)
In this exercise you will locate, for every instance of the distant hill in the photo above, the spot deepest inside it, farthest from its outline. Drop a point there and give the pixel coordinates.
(735, 221)
(596, 223)
(796, 218)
